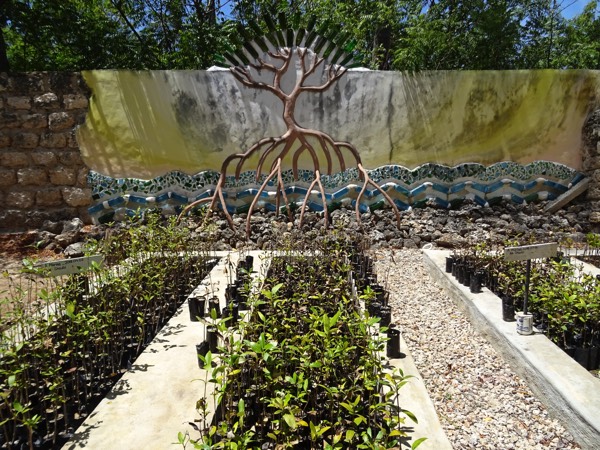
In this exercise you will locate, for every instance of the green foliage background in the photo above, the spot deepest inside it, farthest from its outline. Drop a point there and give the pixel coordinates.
(389, 35)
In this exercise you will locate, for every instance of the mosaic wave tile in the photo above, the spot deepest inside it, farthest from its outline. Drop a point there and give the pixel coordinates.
(118, 198)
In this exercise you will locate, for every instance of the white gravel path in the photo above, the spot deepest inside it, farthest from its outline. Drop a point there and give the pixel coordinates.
(481, 402)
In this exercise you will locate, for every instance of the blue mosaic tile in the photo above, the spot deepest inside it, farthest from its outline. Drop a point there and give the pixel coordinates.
(408, 187)
(457, 188)
(163, 197)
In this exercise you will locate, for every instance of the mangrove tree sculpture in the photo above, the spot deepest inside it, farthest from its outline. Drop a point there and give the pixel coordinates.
(262, 64)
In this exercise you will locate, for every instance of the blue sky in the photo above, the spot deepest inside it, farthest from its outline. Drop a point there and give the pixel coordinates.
(573, 7)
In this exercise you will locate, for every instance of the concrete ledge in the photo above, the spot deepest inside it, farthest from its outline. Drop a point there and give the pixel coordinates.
(415, 398)
(570, 392)
(156, 399)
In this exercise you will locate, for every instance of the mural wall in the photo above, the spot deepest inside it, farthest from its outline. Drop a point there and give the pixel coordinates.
(144, 124)
(159, 138)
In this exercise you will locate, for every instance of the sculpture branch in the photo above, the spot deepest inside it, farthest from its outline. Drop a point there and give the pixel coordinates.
(294, 143)
(244, 77)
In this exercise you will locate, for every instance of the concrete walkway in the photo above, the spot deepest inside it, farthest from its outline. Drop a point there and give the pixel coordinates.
(155, 400)
(569, 391)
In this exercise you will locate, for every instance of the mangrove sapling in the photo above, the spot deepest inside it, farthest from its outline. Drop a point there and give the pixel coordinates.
(294, 365)
(69, 346)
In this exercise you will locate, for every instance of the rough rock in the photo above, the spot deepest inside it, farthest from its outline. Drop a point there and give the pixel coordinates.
(75, 250)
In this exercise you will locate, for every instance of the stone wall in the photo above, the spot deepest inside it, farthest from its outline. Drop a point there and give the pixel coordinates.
(591, 163)
(42, 175)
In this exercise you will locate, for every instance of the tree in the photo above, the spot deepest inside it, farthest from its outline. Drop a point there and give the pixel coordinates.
(65, 35)
(580, 44)
(96, 34)
(543, 27)
(386, 34)
(468, 34)
(4, 64)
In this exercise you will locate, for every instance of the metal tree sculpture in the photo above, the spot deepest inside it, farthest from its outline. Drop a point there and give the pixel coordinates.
(297, 140)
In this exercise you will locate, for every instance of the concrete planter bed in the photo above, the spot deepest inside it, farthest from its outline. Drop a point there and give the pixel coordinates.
(570, 392)
(171, 362)
(61, 360)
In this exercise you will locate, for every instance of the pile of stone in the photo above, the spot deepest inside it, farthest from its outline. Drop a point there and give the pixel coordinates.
(443, 228)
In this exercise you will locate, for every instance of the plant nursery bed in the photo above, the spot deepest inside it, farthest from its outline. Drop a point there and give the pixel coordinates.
(571, 393)
(59, 359)
(157, 403)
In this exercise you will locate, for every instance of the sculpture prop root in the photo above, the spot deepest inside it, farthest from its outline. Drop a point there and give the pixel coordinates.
(280, 188)
(367, 180)
(317, 180)
(217, 195)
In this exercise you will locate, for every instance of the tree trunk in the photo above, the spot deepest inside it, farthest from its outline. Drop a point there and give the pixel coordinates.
(4, 65)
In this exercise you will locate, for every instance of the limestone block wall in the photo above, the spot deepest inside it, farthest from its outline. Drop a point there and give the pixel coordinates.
(591, 161)
(42, 175)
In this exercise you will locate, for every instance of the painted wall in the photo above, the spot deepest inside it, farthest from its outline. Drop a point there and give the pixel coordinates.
(145, 124)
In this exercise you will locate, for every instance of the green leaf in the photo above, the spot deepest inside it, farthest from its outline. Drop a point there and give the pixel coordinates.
(276, 288)
(70, 310)
(313, 431)
(418, 442)
(410, 415)
(290, 420)
(18, 407)
(349, 435)
(206, 360)
(348, 406)
(359, 419)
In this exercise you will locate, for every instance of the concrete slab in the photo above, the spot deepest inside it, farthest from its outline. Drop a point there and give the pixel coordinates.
(568, 197)
(155, 400)
(415, 398)
(570, 392)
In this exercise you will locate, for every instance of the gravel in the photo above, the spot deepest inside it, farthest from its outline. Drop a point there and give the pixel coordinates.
(481, 402)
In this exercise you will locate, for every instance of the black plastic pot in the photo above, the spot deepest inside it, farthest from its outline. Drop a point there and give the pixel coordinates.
(213, 304)
(385, 313)
(242, 301)
(231, 292)
(492, 283)
(231, 311)
(196, 305)
(594, 362)
(449, 263)
(582, 356)
(374, 309)
(475, 282)
(201, 350)
(393, 343)
(381, 294)
(466, 275)
(213, 338)
(508, 309)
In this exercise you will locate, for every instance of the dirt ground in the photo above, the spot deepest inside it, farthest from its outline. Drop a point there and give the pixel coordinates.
(14, 247)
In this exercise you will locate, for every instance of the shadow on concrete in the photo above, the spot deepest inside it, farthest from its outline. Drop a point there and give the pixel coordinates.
(81, 436)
